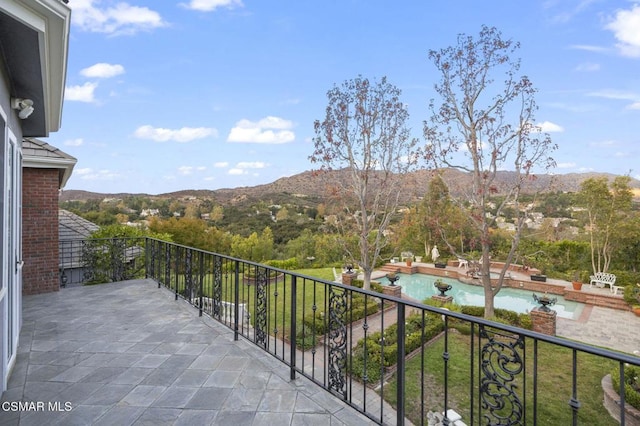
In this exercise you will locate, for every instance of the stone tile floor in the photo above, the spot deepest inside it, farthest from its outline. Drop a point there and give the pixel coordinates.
(128, 354)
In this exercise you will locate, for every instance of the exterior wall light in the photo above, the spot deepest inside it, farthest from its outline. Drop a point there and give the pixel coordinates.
(25, 106)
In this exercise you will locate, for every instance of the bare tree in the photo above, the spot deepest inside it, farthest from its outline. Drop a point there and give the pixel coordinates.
(365, 137)
(484, 123)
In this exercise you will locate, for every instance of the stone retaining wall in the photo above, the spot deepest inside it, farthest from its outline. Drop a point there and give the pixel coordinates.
(611, 403)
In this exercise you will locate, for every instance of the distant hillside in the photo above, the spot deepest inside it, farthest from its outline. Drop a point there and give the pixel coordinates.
(307, 184)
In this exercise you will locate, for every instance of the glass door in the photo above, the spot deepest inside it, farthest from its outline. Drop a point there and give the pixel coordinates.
(12, 255)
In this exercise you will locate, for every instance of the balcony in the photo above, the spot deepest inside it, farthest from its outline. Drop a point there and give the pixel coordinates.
(185, 336)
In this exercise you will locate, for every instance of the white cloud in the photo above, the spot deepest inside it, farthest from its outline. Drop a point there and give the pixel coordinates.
(603, 144)
(211, 5)
(185, 134)
(619, 95)
(82, 171)
(102, 70)
(566, 165)
(237, 172)
(82, 93)
(221, 164)
(269, 130)
(90, 174)
(251, 165)
(291, 101)
(625, 27)
(588, 67)
(121, 18)
(187, 170)
(614, 94)
(74, 142)
(549, 127)
(589, 48)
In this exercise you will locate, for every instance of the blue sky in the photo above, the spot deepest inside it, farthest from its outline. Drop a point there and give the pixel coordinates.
(205, 94)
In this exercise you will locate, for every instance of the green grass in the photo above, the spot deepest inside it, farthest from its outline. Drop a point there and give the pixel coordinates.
(554, 383)
(278, 295)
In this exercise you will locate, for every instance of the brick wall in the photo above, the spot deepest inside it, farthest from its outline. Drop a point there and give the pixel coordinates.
(40, 231)
(544, 322)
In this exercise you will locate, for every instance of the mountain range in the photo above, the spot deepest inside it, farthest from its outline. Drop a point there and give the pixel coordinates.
(307, 184)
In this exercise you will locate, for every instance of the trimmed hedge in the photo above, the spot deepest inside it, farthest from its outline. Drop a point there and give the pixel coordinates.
(631, 384)
(373, 355)
(508, 317)
(375, 286)
(377, 357)
(288, 264)
(316, 324)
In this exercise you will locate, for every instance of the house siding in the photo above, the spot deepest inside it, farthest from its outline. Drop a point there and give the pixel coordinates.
(40, 231)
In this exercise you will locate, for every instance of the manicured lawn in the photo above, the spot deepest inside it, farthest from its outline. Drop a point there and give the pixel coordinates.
(554, 383)
(279, 293)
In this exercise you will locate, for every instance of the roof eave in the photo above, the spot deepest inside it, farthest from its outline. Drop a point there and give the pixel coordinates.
(65, 165)
(51, 20)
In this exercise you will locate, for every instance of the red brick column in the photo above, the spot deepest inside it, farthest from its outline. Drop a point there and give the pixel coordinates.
(392, 290)
(544, 322)
(445, 299)
(40, 231)
(348, 277)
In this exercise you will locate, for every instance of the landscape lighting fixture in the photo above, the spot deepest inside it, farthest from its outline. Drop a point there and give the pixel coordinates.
(25, 106)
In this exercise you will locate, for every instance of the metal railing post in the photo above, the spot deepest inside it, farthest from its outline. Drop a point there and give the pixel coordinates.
(147, 262)
(201, 283)
(293, 332)
(400, 360)
(236, 301)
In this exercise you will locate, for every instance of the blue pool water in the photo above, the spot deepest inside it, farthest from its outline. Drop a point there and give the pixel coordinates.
(420, 287)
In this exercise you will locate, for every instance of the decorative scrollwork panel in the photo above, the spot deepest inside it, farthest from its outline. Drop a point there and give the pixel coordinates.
(337, 340)
(501, 366)
(262, 305)
(217, 287)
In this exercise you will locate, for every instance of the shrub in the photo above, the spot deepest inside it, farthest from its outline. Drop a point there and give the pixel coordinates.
(375, 360)
(288, 264)
(476, 311)
(375, 286)
(632, 295)
(503, 316)
(373, 365)
(317, 324)
(631, 384)
(306, 338)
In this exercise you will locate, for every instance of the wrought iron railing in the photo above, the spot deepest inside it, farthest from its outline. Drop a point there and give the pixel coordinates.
(94, 261)
(393, 360)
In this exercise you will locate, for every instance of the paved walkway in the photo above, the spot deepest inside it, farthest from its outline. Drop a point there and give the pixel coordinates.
(605, 327)
(128, 354)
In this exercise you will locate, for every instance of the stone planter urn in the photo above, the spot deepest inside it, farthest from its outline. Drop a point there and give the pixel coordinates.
(392, 277)
(545, 301)
(442, 287)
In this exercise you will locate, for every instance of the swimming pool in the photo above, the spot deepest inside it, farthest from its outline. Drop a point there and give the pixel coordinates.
(420, 287)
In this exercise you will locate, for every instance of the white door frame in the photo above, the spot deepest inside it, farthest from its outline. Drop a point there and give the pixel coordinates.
(11, 237)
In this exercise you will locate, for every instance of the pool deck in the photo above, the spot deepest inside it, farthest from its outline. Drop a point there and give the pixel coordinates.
(606, 320)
